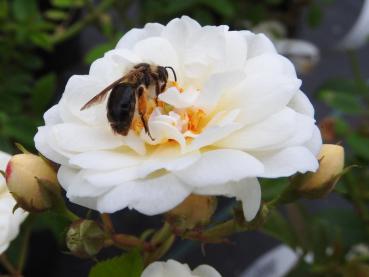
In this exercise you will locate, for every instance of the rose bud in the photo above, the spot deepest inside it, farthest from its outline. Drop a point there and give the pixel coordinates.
(194, 211)
(85, 238)
(32, 181)
(320, 183)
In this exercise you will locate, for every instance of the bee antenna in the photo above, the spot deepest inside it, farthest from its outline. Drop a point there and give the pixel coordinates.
(174, 73)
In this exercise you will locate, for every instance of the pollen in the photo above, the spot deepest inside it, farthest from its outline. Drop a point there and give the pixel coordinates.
(176, 85)
(196, 120)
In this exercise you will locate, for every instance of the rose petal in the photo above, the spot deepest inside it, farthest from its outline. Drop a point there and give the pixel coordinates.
(301, 103)
(277, 64)
(151, 50)
(65, 175)
(179, 99)
(167, 269)
(218, 167)
(52, 116)
(215, 87)
(261, 96)
(111, 178)
(315, 142)
(274, 130)
(42, 145)
(246, 190)
(258, 44)
(146, 195)
(205, 271)
(81, 138)
(135, 35)
(105, 160)
(287, 161)
(168, 158)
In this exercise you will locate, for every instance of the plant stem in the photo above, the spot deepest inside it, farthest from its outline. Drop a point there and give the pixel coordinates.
(161, 243)
(24, 249)
(78, 26)
(220, 232)
(357, 199)
(8, 266)
(107, 223)
(162, 234)
(355, 66)
(125, 241)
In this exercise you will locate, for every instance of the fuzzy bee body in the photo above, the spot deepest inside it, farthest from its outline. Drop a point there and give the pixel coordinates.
(130, 93)
(121, 108)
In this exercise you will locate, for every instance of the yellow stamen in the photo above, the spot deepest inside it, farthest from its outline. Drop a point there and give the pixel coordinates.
(176, 85)
(195, 120)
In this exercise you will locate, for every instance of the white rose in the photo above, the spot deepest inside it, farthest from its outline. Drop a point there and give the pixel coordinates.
(237, 114)
(173, 268)
(9, 221)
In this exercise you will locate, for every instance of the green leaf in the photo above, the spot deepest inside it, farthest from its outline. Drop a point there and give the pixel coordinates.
(341, 85)
(24, 9)
(359, 145)
(346, 222)
(222, 7)
(43, 92)
(56, 223)
(21, 128)
(315, 15)
(204, 16)
(127, 265)
(342, 101)
(67, 3)
(278, 227)
(56, 15)
(256, 13)
(42, 40)
(341, 127)
(97, 52)
(272, 188)
(4, 8)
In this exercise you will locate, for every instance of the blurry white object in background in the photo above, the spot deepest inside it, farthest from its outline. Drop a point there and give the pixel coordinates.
(303, 54)
(275, 263)
(359, 33)
(358, 251)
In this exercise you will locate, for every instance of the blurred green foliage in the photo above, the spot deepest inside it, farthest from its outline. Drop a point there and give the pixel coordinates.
(30, 31)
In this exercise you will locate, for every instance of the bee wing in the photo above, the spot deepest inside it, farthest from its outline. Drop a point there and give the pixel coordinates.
(101, 96)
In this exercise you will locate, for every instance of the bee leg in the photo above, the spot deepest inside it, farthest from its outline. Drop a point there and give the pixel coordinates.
(142, 108)
(157, 91)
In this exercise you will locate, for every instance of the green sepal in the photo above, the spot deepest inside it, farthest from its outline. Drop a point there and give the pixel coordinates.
(21, 148)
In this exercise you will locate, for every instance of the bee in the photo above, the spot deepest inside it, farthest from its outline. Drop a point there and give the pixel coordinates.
(130, 90)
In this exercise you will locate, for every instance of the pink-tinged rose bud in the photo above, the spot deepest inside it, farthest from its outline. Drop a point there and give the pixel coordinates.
(331, 164)
(31, 180)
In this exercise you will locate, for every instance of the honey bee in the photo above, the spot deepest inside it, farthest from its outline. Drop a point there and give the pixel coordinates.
(129, 90)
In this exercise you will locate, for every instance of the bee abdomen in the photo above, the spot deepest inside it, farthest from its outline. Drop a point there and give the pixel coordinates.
(121, 107)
